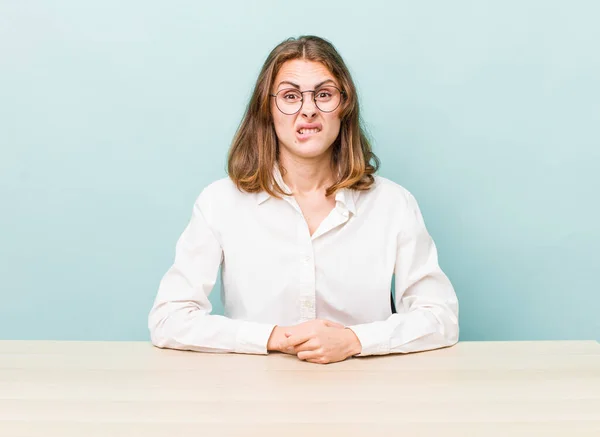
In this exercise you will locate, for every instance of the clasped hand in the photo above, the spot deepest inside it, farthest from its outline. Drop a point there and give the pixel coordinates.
(316, 341)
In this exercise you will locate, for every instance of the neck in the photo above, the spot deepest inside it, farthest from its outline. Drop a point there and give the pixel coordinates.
(307, 176)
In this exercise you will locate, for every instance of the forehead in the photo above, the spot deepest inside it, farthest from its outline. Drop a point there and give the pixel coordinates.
(302, 72)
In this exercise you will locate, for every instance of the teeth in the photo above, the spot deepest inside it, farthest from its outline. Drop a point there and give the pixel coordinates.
(309, 131)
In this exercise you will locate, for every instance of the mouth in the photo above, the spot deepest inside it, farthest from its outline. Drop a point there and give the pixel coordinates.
(306, 133)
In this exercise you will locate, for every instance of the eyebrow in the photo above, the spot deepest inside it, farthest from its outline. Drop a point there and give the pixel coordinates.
(294, 85)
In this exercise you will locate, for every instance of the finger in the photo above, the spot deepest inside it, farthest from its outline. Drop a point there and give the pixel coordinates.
(320, 360)
(333, 324)
(309, 355)
(295, 340)
(309, 345)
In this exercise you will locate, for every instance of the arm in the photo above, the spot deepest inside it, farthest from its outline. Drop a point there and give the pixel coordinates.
(427, 305)
(180, 317)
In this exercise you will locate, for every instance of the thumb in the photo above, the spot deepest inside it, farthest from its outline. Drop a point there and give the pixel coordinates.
(333, 324)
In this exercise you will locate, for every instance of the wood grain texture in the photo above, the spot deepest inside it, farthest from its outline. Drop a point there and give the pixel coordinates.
(549, 388)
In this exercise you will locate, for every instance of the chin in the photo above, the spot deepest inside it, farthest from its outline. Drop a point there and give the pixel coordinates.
(309, 148)
(310, 152)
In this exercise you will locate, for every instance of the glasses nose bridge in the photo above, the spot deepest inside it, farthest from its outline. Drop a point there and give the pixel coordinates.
(308, 91)
(314, 100)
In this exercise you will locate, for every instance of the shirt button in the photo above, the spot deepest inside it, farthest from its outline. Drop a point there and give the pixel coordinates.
(306, 259)
(343, 211)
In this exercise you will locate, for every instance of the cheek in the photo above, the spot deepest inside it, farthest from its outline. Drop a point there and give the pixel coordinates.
(278, 123)
(284, 126)
(334, 125)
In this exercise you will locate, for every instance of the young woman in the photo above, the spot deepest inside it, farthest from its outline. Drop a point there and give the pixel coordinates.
(307, 236)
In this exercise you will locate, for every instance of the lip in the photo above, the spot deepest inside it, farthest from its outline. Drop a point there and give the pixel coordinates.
(306, 136)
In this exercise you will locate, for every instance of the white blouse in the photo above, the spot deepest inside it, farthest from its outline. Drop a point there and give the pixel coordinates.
(275, 273)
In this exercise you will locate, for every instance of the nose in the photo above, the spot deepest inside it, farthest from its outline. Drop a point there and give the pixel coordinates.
(309, 109)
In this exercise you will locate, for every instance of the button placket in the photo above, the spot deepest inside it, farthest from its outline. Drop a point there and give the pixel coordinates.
(337, 217)
(307, 291)
(306, 267)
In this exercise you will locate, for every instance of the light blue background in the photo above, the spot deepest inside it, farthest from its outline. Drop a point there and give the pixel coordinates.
(115, 114)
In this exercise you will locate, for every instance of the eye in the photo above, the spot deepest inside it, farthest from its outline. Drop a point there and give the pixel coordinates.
(324, 94)
(291, 96)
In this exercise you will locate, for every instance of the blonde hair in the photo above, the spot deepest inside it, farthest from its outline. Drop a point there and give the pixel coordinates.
(254, 151)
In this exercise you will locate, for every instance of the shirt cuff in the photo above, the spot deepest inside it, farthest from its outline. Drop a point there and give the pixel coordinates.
(374, 338)
(252, 338)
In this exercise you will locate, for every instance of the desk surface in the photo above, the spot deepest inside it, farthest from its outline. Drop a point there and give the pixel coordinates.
(89, 389)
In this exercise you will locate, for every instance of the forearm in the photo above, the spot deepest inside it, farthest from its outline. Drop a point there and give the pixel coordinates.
(181, 327)
(417, 330)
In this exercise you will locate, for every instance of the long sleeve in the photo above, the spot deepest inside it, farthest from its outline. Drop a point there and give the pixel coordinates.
(180, 317)
(426, 304)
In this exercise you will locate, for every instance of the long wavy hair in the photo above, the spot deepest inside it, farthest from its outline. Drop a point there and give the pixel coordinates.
(254, 151)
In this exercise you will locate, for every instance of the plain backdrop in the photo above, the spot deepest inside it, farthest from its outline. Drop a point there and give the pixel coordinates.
(115, 114)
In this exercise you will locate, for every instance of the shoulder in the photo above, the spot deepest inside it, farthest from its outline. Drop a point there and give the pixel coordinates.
(220, 187)
(385, 189)
(222, 195)
(397, 202)
(390, 199)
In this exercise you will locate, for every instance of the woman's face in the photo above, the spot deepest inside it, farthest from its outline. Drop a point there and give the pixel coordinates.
(310, 132)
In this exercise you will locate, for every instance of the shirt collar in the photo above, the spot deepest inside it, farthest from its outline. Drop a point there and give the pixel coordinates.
(344, 196)
(263, 195)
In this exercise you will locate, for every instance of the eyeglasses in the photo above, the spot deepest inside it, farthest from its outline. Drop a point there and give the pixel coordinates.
(327, 99)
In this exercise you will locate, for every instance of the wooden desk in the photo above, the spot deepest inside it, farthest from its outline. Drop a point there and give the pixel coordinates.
(88, 389)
